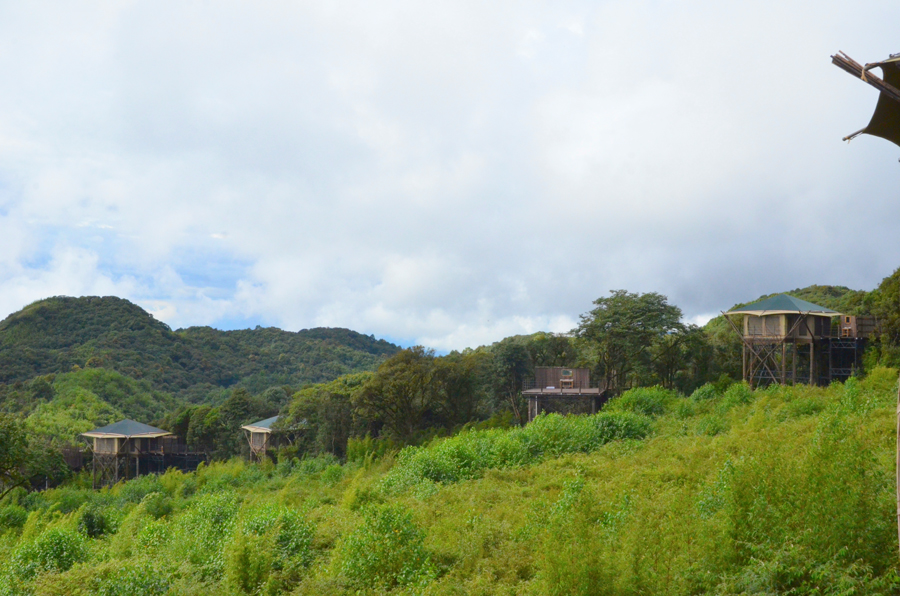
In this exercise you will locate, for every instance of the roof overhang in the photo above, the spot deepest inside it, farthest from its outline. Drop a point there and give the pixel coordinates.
(257, 429)
(762, 313)
(96, 435)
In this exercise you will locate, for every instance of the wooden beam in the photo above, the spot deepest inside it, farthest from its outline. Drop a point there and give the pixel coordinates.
(848, 64)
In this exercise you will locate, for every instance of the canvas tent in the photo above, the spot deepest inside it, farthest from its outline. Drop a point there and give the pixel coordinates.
(118, 446)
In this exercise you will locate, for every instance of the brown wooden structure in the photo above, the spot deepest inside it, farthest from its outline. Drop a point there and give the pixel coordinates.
(261, 437)
(563, 390)
(127, 449)
(788, 340)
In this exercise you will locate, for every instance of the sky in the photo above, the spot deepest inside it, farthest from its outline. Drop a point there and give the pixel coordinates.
(438, 173)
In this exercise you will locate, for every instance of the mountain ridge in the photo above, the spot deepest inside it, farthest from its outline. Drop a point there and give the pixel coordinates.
(57, 334)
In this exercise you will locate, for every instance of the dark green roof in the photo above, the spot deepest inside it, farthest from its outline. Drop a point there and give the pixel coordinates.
(262, 424)
(782, 303)
(127, 428)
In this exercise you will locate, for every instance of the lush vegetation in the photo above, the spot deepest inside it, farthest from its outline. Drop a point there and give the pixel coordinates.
(60, 334)
(786, 490)
(415, 473)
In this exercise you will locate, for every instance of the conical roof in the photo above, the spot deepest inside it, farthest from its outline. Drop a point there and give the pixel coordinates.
(125, 429)
(783, 304)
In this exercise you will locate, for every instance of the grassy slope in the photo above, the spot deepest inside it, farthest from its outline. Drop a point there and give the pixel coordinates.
(757, 493)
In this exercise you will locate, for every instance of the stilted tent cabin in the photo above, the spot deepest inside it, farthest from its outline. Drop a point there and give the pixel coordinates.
(124, 449)
(789, 340)
(260, 436)
(563, 390)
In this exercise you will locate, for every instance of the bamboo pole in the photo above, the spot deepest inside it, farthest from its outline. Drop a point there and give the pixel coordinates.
(845, 62)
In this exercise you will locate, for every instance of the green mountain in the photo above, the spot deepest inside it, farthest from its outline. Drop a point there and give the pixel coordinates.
(62, 334)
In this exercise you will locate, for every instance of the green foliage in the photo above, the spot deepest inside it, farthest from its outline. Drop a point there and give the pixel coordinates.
(140, 578)
(23, 458)
(649, 401)
(618, 334)
(203, 529)
(704, 392)
(361, 448)
(386, 551)
(93, 522)
(413, 393)
(55, 550)
(326, 411)
(75, 411)
(468, 454)
(12, 516)
(58, 334)
(786, 490)
(270, 550)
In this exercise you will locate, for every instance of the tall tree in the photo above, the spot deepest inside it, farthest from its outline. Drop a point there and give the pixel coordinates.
(618, 333)
(511, 368)
(325, 411)
(21, 459)
(400, 394)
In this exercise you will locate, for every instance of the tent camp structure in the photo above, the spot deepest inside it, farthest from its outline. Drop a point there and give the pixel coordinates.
(789, 340)
(119, 449)
(127, 448)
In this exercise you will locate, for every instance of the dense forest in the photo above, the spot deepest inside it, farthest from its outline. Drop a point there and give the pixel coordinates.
(404, 460)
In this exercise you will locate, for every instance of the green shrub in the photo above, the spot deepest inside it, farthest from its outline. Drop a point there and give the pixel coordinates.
(157, 505)
(705, 392)
(333, 474)
(738, 394)
(153, 535)
(201, 531)
(712, 425)
(55, 550)
(386, 551)
(571, 558)
(316, 464)
(803, 406)
(362, 448)
(67, 499)
(649, 401)
(271, 548)
(134, 491)
(13, 516)
(93, 522)
(132, 579)
(468, 454)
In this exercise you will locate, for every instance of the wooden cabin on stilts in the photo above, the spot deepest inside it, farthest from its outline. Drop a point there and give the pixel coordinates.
(123, 450)
(260, 436)
(563, 390)
(787, 340)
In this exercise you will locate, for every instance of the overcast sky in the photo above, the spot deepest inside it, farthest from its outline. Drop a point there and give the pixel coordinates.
(442, 173)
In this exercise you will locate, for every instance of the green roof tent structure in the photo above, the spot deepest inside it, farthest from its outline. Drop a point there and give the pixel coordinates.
(776, 333)
(259, 436)
(117, 446)
(782, 304)
(885, 122)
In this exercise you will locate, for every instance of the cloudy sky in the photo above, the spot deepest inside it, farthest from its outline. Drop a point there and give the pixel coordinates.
(443, 173)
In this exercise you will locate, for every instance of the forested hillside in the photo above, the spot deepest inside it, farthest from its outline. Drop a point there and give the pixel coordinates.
(787, 490)
(57, 335)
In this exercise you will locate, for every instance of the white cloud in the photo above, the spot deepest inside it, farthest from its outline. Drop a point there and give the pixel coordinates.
(445, 173)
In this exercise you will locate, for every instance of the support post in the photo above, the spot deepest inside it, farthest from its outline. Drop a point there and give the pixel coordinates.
(794, 363)
(897, 470)
(812, 361)
(783, 361)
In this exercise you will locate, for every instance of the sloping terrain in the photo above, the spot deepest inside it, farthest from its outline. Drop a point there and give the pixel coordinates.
(787, 490)
(57, 334)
